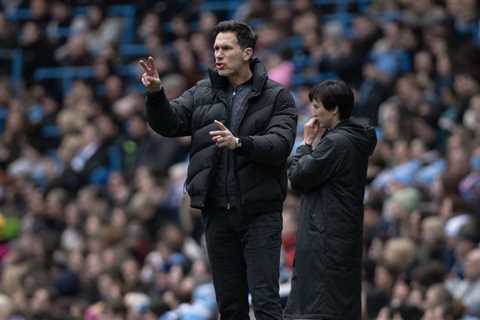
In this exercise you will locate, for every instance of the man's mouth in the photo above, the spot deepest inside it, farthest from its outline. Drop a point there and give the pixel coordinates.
(219, 66)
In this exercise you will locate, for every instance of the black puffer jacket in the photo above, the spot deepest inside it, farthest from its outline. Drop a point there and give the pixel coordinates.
(267, 130)
(326, 282)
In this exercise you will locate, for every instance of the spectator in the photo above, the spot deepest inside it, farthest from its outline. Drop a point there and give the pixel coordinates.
(467, 290)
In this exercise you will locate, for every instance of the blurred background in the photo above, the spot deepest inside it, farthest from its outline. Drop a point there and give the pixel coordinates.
(94, 220)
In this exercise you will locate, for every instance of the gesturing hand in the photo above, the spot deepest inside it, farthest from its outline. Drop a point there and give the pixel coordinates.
(222, 137)
(150, 77)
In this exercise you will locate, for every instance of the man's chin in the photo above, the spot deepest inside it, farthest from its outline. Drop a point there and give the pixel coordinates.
(223, 73)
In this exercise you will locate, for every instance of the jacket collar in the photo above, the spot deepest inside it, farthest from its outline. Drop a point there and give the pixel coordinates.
(340, 124)
(259, 74)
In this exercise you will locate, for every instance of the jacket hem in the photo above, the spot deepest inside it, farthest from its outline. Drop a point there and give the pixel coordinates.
(198, 202)
(262, 206)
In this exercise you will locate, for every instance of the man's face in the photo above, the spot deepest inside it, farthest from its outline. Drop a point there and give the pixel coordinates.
(326, 118)
(229, 56)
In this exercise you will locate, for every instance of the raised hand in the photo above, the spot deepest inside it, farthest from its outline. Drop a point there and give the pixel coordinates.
(150, 77)
(311, 131)
(223, 137)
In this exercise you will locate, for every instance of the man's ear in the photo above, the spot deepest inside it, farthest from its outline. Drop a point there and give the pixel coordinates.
(247, 54)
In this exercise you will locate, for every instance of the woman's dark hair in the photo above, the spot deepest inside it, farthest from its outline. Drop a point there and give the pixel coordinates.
(334, 93)
(246, 37)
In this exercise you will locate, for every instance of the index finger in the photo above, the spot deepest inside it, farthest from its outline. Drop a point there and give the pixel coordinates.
(143, 65)
(312, 121)
(218, 133)
(151, 63)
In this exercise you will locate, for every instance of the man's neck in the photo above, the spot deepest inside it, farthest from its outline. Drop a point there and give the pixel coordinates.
(241, 77)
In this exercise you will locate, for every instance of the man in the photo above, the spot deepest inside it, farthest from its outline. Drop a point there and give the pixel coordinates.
(468, 290)
(243, 127)
(329, 170)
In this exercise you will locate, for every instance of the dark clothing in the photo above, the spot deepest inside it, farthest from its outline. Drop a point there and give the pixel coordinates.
(243, 242)
(224, 180)
(244, 252)
(267, 130)
(332, 179)
(239, 103)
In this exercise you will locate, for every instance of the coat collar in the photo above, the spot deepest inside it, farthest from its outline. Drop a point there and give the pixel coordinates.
(259, 77)
(341, 123)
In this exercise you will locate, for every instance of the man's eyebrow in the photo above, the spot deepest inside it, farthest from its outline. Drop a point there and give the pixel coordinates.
(222, 46)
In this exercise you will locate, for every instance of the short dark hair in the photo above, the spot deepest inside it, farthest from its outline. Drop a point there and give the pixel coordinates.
(246, 37)
(334, 93)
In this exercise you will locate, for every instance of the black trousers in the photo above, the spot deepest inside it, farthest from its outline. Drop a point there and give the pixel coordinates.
(244, 254)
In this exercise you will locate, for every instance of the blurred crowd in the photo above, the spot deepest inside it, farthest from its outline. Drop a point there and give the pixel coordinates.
(94, 219)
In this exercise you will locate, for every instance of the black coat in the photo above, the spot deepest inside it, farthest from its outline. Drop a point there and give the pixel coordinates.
(326, 281)
(267, 130)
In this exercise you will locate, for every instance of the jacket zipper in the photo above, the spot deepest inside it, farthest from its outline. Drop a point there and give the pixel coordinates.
(227, 155)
